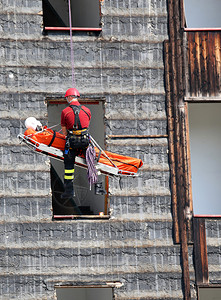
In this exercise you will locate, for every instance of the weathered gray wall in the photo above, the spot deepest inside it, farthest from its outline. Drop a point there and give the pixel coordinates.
(125, 65)
(213, 233)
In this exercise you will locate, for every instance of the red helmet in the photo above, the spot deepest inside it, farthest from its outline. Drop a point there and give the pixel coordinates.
(72, 92)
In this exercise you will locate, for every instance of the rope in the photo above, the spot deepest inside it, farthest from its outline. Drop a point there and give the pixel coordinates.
(90, 160)
(54, 125)
(71, 42)
(94, 143)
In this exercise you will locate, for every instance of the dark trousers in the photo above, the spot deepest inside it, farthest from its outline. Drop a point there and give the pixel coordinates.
(75, 145)
(69, 162)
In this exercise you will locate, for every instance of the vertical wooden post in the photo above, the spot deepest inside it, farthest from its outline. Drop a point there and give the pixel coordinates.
(176, 111)
(200, 251)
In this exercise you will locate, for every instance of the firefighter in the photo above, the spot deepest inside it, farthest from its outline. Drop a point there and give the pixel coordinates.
(75, 120)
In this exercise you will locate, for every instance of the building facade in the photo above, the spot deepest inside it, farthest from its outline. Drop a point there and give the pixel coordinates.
(134, 63)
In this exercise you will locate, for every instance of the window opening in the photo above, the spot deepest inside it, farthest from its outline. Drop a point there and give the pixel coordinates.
(85, 14)
(85, 201)
(84, 293)
(205, 293)
(202, 13)
(205, 149)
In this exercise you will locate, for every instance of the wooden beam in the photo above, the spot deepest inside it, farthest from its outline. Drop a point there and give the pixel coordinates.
(200, 251)
(203, 99)
(177, 73)
(171, 143)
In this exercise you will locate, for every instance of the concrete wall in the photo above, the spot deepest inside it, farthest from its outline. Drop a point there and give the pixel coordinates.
(213, 231)
(125, 65)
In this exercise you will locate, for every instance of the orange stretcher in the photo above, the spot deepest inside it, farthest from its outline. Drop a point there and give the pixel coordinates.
(52, 143)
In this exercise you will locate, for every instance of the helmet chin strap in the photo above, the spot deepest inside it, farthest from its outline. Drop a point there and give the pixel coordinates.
(74, 99)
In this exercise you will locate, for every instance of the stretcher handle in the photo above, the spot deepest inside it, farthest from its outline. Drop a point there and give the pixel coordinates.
(94, 143)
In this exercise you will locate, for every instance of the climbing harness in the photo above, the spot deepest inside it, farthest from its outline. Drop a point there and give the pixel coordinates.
(78, 137)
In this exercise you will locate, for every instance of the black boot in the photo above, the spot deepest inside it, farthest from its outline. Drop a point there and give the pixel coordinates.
(68, 189)
(99, 190)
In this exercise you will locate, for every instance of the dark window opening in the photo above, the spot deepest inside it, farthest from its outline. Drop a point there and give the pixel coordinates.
(84, 14)
(209, 292)
(85, 202)
(84, 293)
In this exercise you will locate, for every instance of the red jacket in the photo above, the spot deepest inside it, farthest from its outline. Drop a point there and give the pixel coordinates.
(67, 116)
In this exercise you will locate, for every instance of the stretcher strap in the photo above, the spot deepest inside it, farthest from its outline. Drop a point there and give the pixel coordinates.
(52, 140)
(99, 155)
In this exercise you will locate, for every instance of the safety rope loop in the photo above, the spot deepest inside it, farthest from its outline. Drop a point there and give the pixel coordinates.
(71, 42)
(90, 160)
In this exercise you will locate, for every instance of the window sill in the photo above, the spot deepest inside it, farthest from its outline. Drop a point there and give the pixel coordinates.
(73, 29)
(79, 217)
(207, 216)
(202, 29)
